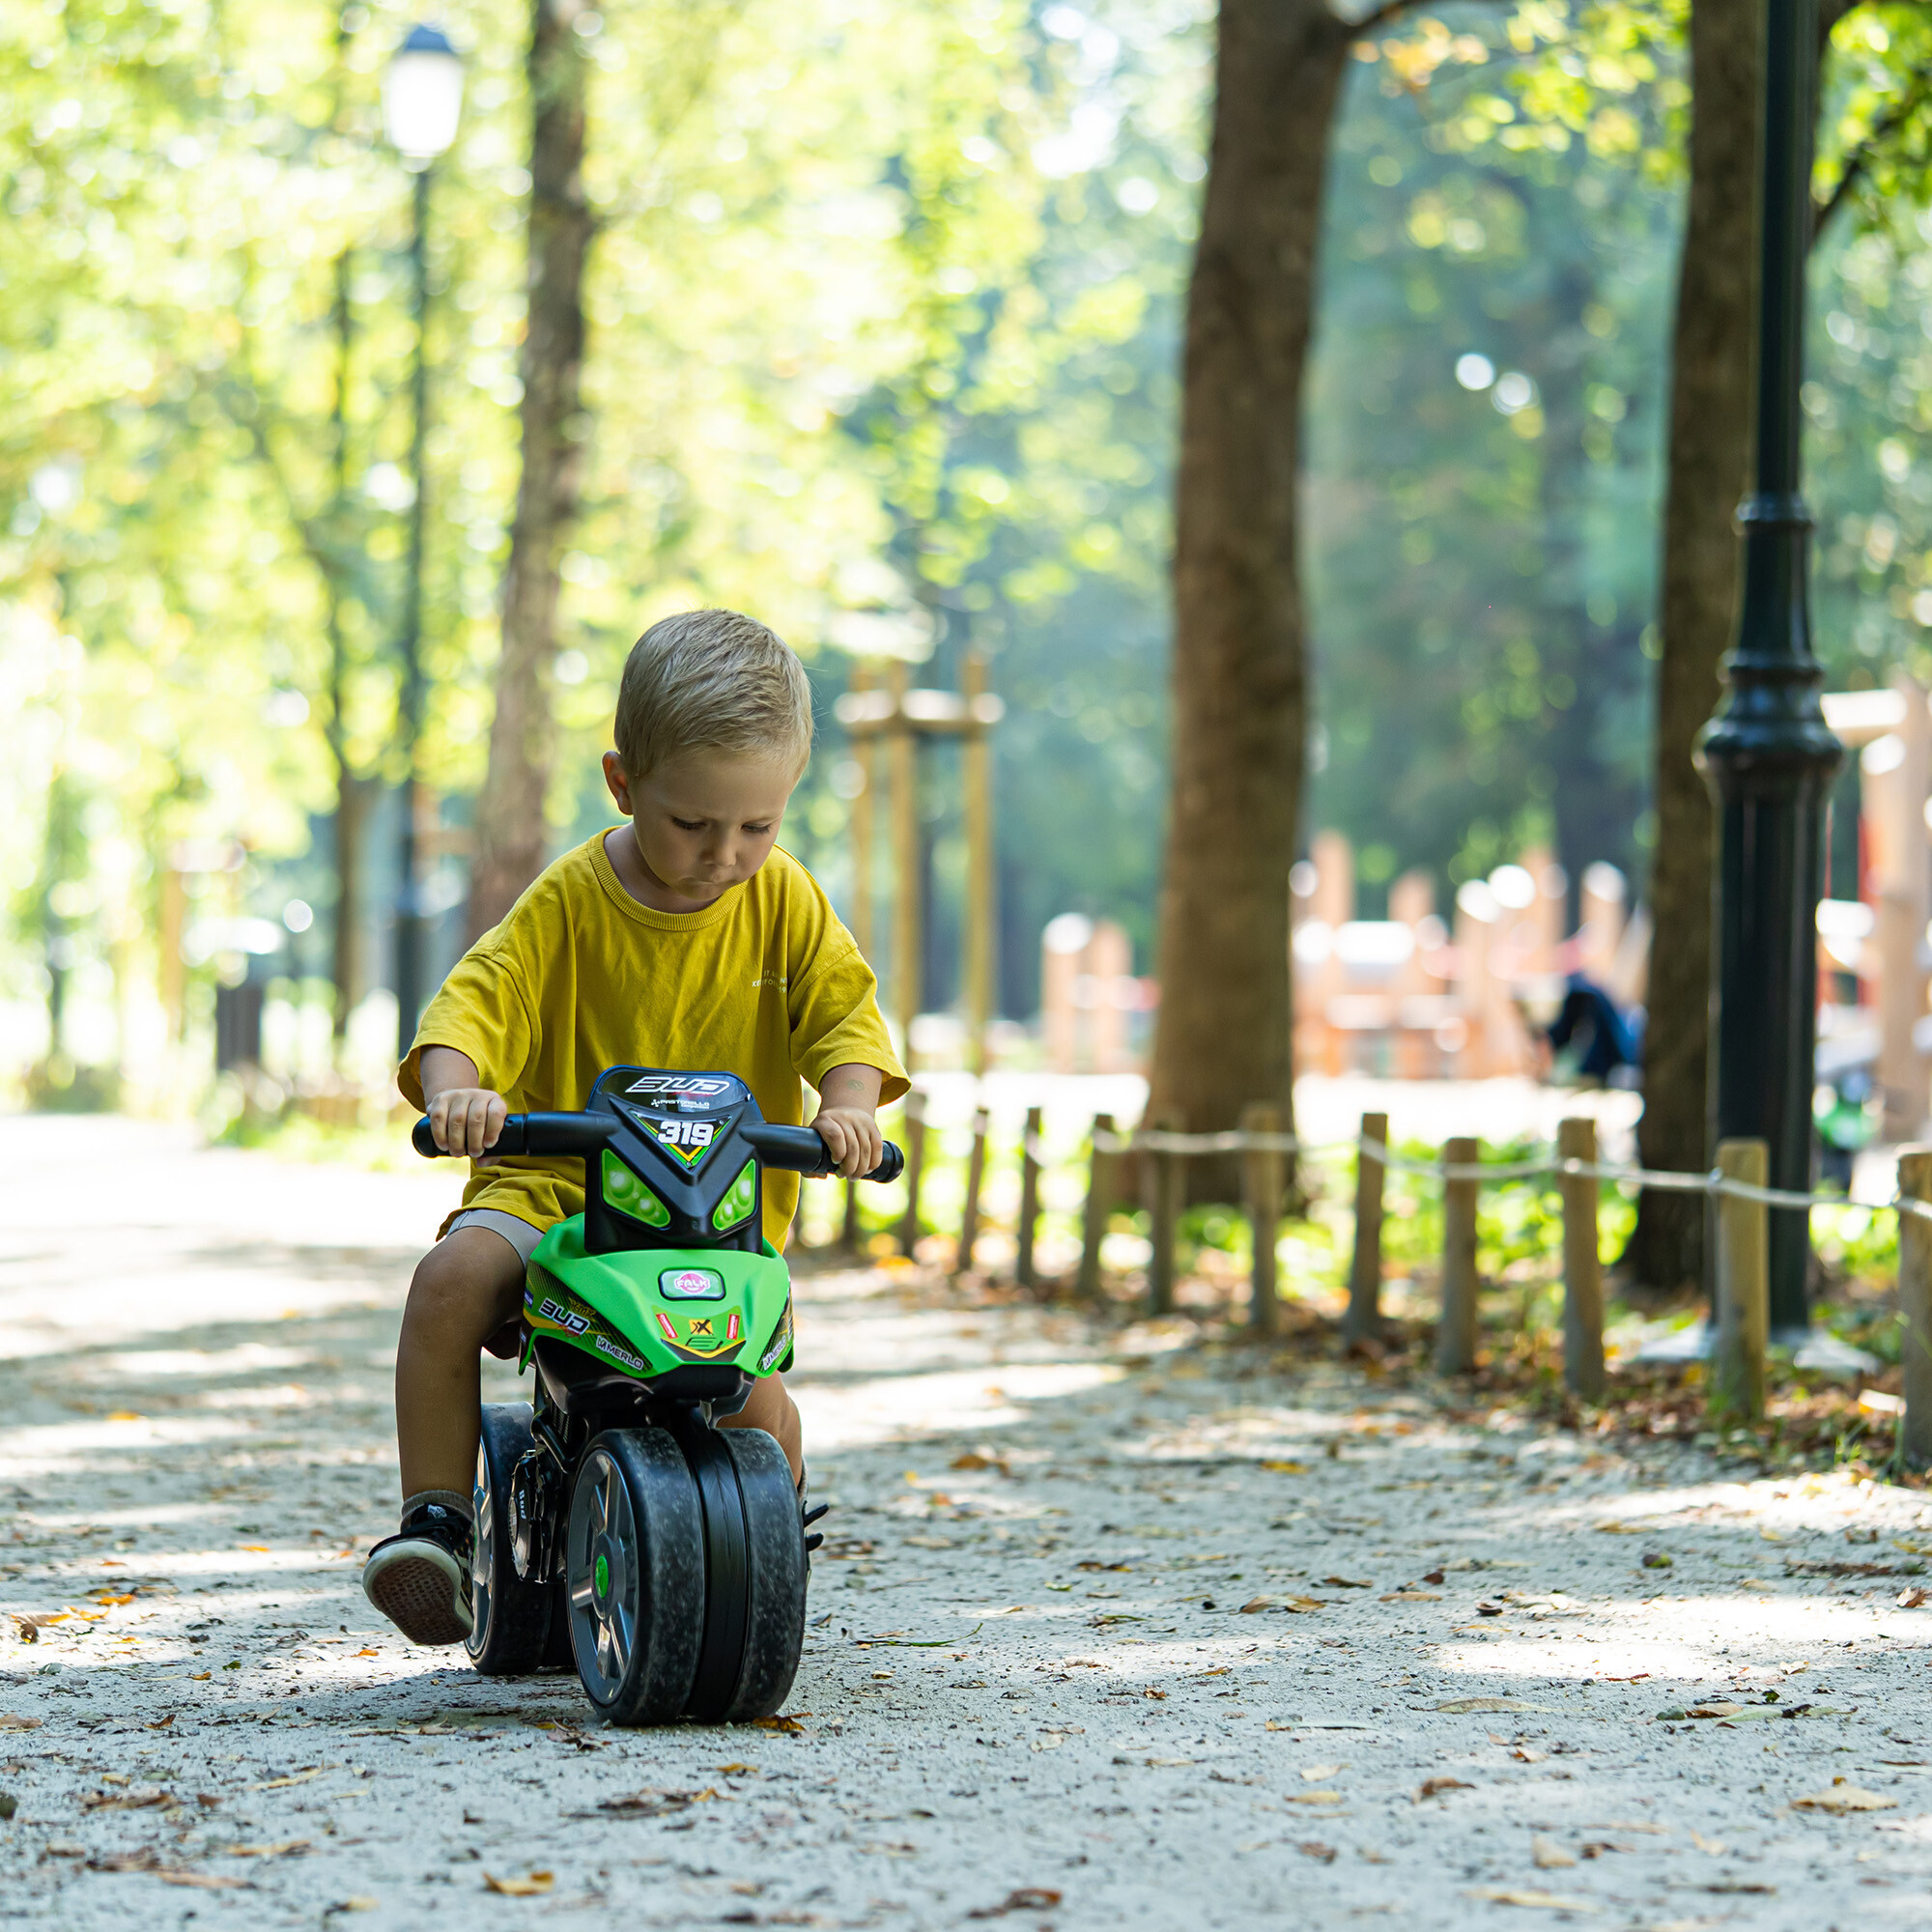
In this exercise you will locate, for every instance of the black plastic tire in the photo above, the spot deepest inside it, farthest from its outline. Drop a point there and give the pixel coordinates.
(512, 1617)
(774, 1565)
(635, 1570)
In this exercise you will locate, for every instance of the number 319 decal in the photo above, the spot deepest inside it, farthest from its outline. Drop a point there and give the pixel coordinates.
(686, 1133)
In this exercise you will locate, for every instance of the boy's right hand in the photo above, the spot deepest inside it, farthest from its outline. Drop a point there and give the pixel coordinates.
(466, 1120)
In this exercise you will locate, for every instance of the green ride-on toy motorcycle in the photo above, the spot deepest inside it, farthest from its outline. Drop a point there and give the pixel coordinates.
(616, 1525)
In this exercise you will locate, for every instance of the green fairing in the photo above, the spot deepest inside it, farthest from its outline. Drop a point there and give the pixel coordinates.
(619, 1294)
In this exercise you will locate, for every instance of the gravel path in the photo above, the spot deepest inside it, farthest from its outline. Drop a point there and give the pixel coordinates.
(1110, 1630)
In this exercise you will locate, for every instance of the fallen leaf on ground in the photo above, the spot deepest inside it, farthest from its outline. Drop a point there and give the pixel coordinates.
(1621, 1529)
(1915, 1599)
(1298, 1604)
(1432, 1787)
(128, 1801)
(1548, 1901)
(1314, 1774)
(1713, 1848)
(1282, 1466)
(1312, 1848)
(1548, 1854)
(294, 1777)
(366, 1651)
(1412, 1597)
(1346, 1583)
(973, 1459)
(1840, 1796)
(357, 1904)
(1028, 1899)
(285, 1849)
(11, 1724)
(789, 1726)
(534, 1887)
(736, 1770)
(201, 1881)
(1528, 1754)
(1465, 1704)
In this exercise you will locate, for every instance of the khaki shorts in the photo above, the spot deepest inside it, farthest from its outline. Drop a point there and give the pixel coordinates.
(515, 1230)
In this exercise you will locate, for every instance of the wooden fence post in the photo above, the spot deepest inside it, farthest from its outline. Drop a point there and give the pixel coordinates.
(1743, 1287)
(975, 1177)
(1363, 1322)
(1162, 1176)
(1915, 1304)
(1023, 1268)
(1264, 1180)
(848, 1233)
(1456, 1326)
(1099, 1204)
(914, 1166)
(1582, 1271)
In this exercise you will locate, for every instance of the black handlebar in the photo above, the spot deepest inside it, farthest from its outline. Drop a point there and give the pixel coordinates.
(798, 1148)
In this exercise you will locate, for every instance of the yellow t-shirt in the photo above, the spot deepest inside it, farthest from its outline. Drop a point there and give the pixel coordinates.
(764, 983)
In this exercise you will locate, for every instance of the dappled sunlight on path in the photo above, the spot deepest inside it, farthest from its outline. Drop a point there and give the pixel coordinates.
(1170, 1633)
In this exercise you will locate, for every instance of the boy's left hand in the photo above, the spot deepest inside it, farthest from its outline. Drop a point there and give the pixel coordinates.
(853, 1137)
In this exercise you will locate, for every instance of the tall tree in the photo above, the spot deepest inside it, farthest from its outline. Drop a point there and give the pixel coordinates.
(1240, 678)
(510, 832)
(1710, 454)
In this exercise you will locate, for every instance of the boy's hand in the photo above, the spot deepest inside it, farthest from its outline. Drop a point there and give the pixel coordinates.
(853, 1137)
(466, 1120)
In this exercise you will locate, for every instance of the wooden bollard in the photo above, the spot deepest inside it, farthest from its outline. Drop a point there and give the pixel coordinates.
(1023, 1268)
(1363, 1322)
(1582, 1271)
(1456, 1328)
(1743, 1287)
(915, 1167)
(1264, 1181)
(976, 1178)
(1915, 1305)
(1163, 1178)
(1099, 1204)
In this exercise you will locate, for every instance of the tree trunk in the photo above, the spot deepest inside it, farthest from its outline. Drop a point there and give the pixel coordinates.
(1710, 459)
(510, 833)
(1225, 1035)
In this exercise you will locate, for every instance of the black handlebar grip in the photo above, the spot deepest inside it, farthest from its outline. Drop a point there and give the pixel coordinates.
(892, 1164)
(510, 1139)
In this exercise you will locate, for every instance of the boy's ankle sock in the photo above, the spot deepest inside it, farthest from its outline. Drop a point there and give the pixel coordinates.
(453, 1501)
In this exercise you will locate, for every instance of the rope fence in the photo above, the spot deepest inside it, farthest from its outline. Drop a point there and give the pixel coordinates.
(1736, 1185)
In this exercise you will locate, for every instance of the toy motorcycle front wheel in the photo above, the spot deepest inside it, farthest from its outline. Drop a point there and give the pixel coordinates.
(685, 1575)
(634, 1576)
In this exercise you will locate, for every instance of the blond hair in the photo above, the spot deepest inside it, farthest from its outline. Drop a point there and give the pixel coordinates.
(711, 680)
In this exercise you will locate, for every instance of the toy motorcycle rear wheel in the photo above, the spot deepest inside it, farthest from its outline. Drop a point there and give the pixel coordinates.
(512, 1618)
(633, 1570)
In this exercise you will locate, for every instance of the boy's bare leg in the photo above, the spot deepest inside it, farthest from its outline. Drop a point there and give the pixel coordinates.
(465, 1288)
(772, 1409)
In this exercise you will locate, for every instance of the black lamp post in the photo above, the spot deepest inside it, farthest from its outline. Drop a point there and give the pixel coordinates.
(1768, 755)
(422, 99)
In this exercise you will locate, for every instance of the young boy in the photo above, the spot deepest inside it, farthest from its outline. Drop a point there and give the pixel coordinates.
(684, 939)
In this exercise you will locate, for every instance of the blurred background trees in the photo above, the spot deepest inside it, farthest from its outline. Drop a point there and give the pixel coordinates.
(882, 341)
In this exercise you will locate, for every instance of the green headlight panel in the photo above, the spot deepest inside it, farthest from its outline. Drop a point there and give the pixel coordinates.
(625, 1192)
(741, 1200)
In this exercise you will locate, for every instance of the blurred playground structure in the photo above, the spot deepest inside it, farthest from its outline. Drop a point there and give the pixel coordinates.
(1420, 994)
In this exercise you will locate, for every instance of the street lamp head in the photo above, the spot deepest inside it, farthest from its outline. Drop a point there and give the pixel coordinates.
(422, 94)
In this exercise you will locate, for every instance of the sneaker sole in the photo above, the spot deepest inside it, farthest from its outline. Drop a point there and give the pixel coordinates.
(423, 1591)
